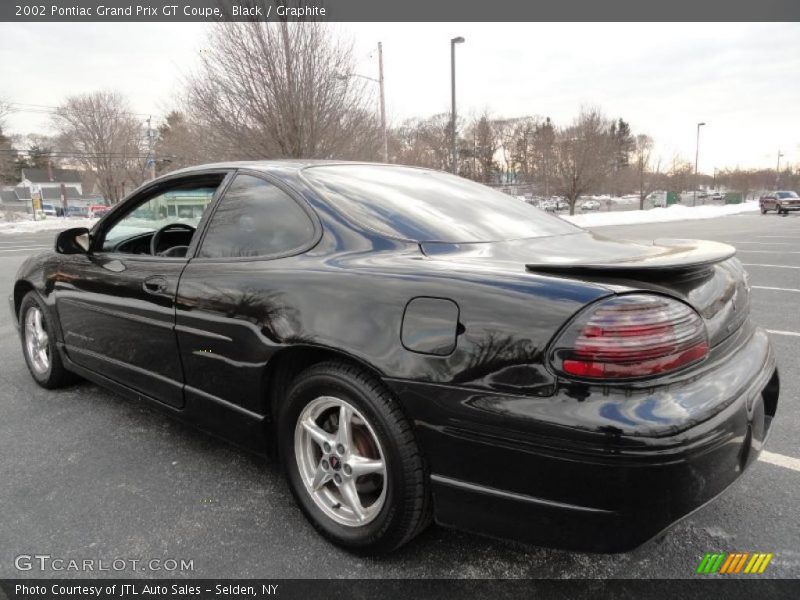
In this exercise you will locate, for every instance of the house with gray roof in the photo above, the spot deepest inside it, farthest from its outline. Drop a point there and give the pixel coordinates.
(52, 178)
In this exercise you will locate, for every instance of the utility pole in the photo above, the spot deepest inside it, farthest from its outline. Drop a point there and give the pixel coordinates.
(379, 81)
(453, 42)
(151, 149)
(778, 171)
(383, 104)
(696, 158)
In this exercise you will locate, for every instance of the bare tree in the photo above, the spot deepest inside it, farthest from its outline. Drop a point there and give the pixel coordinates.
(485, 143)
(646, 174)
(180, 144)
(425, 143)
(680, 175)
(268, 90)
(105, 137)
(584, 155)
(8, 156)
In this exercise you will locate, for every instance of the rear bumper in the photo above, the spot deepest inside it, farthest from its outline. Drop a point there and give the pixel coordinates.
(585, 486)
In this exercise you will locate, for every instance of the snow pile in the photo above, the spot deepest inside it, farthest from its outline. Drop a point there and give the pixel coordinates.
(48, 224)
(676, 212)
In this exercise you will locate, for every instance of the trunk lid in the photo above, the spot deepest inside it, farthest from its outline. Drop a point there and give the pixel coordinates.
(705, 275)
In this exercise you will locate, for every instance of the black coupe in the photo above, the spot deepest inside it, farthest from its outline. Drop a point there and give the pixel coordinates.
(415, 346)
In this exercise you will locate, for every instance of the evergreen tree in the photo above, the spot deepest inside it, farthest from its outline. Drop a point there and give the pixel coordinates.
(9, 173)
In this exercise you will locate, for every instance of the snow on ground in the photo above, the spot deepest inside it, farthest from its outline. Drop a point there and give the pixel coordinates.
(676, 212)
(48, 224)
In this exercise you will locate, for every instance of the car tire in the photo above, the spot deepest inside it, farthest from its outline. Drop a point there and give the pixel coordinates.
(37, 333)
(397, 503)
(763, 210)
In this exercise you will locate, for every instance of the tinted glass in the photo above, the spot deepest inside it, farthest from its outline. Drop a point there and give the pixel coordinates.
(430, 206)
(184, 204)
(255, 218)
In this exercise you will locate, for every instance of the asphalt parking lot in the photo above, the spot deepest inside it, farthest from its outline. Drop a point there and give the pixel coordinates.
(88, 475)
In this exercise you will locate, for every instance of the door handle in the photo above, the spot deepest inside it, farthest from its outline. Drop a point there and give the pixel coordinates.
(154, 285)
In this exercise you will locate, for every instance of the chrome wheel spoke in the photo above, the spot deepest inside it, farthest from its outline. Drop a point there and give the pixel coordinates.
(41, 335)
(365, 466)
(351, 499)
(345, 434)
(318, 434)
(321, 477)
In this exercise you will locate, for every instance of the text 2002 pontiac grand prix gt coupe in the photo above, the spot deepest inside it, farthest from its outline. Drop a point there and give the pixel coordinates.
(416, 346)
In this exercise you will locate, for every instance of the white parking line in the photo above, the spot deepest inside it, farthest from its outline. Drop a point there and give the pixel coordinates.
(781, 237)
(780, 460)
(759, 243)
(777, 289)
(780, 332)
(769, 251)
(766, 265)
(25, 249)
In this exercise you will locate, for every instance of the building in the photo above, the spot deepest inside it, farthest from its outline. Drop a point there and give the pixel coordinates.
(51, 178)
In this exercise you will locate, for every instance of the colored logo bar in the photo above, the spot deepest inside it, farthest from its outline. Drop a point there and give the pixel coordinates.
(728, 563)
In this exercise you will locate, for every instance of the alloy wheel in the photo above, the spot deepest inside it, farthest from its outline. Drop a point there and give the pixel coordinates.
(37, 342)
(341, 461)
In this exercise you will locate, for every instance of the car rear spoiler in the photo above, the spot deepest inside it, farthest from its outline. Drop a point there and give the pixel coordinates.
(667, 255)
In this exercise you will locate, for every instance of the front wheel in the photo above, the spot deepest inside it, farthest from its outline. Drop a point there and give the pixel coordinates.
(352, 460)
(39, 345)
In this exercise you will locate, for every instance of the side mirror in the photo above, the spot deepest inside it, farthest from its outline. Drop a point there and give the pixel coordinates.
(73, 241)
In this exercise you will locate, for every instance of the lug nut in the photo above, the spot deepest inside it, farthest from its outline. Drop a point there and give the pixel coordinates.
(326, 446)
(337, 478)
(340, 449)
(325, 464)
(348, 470)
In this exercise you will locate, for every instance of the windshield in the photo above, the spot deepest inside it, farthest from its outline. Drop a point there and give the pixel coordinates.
(430, 206)
(787, 195)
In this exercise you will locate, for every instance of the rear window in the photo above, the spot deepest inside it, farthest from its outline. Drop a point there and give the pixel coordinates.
(787, 195)
(430, 206)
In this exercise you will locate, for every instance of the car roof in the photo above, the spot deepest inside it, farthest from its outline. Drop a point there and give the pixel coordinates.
(272, 165)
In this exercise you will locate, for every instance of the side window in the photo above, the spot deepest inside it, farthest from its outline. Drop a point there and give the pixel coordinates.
(255, 218)
(181, 207)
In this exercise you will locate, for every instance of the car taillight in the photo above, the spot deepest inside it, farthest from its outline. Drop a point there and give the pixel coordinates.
(631, 336)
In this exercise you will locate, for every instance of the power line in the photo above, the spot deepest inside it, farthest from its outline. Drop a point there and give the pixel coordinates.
(49, 109)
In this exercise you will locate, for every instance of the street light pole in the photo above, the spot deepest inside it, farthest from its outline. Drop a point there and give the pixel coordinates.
(383, 104)
(696, 158)
(778, 171)
(453, 42)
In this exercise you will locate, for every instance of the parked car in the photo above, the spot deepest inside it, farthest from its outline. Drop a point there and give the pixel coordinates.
(549, 205)
(97, 210)
(590, 205)
(50, 210)
(415, 346)
(718, 196)
(781, 202)
(77, 211)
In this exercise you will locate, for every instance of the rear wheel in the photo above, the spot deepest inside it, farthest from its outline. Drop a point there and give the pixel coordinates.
(351, 459)
(39, 345)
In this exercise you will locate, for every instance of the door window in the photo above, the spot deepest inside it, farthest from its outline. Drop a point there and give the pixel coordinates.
(256, 218)
(181, 206)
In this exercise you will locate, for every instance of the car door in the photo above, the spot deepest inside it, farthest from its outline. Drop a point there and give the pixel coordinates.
(771, 201)
(116, 304)
(234, 307)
